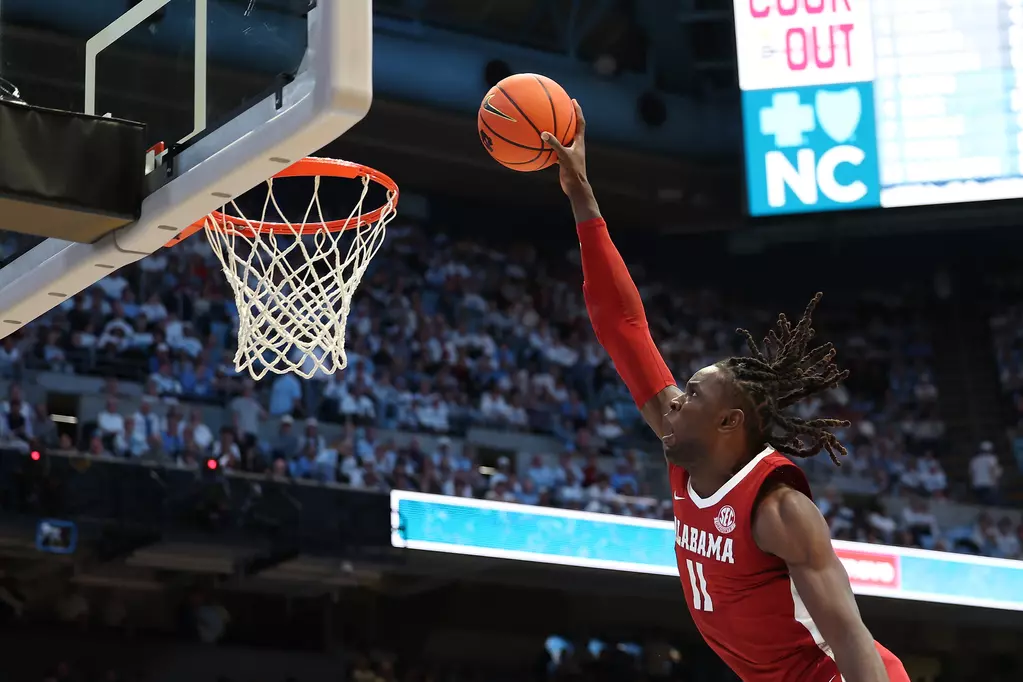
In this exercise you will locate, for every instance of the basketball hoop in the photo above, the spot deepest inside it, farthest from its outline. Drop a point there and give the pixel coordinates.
(293, 282)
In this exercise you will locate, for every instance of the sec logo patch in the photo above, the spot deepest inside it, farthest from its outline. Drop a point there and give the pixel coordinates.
(725, 521)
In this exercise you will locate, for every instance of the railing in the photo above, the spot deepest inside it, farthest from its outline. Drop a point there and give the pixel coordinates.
(100, 492)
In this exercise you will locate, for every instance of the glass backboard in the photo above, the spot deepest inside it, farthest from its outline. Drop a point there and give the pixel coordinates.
(237, 90)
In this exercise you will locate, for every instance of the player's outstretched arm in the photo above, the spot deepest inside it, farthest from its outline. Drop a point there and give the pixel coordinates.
(789, 525)
(612, 299)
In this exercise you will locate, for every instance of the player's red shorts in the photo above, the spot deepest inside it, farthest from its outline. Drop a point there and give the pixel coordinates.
(894, 667)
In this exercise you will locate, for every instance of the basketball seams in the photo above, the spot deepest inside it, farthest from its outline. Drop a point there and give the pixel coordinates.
(554, 116)
(569, 129)
(525, 116)
(550, 100)
(539, 164)
(539, 152)
(511, 142)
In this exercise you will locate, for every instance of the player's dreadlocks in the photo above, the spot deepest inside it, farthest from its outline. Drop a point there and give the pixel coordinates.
(779, 376)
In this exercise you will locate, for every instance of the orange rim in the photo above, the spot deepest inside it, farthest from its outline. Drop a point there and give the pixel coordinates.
(310, 166)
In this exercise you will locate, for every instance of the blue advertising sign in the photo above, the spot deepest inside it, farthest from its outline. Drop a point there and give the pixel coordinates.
(811, 149)
(602, 541)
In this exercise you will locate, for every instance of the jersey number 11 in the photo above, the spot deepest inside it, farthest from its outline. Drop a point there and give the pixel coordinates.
(701, 598)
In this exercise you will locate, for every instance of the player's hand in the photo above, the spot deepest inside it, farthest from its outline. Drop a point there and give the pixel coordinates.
(572, 159)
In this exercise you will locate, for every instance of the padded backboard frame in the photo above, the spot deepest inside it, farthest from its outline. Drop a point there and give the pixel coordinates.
(332, 92)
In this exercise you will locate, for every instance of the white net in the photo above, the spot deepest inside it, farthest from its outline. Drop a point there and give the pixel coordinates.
(293, 285)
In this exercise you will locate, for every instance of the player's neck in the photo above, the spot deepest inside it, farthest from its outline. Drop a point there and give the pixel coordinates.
(708, 475)
(707, 478)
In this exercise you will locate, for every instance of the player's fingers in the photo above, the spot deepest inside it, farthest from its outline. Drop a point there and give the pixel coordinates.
(554, 142)
(580, 120)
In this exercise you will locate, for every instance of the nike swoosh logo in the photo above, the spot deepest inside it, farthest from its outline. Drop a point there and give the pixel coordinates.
(487, 106)
(678, 497)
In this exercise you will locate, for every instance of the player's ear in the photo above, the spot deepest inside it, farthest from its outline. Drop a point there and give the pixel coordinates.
(731, 420)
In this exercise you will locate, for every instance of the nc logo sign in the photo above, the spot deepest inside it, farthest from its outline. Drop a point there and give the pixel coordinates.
(811, 149)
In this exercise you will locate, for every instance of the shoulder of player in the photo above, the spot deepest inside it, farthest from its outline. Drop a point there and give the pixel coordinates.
(653, 410)
(787, 524)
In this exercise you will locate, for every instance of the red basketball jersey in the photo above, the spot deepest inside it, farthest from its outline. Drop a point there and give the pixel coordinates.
(741, 598)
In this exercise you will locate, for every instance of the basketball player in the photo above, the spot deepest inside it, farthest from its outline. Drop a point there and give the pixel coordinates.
(762, 581)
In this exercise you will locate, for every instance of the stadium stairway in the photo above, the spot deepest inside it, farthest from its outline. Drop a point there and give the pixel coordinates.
(971, 401)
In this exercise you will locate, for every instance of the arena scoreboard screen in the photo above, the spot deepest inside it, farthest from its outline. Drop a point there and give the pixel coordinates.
(850, 104)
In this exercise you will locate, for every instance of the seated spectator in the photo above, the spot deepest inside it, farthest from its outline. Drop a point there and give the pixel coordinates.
(432, 415)
(910, 477)
(985, 536)
(198, 380)
(165, 381)
(1007, 539)
(920, 522)
(16, 415)
(502, 473)
(500, 492)
(247, 414)
(985, 473)
(570, 492)
(147, 422)
(367, 478)
(54, 355)
(925, 390)
(311, 438)
(516, 416)
(304, 466)
(131, 441)
(933, 481)
(116, 333)
(173, 443)
(347, 461)
(839, 515)
(600, 495)
(10, 359)
(43, 427)
(97, 448)
(529, 494)
(357, 405)
(606, 425)
(458, 486)
(141, 339)
(153, 309)
(285, 444)
(385, 459)
(226, 450)
(541, 474)
(286, 395)
(624, 478)
(882, 527)
(567, 467)
(109, 422)
(156, 452)
(201, 435)
(402, 481)
(493, 408)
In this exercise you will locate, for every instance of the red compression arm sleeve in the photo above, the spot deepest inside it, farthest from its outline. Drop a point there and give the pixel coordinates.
(617, 314)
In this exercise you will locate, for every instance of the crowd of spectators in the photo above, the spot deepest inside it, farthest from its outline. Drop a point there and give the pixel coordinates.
(1007, 336)
(445, 335)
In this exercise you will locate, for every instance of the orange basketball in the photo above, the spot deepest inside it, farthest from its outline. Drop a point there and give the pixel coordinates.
(516, 111)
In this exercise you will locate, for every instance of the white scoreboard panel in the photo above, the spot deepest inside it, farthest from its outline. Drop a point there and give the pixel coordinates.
(880, 103)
